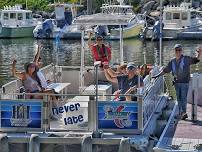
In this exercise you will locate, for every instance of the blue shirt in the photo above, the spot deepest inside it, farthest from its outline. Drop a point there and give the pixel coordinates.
(124, 83)
(181, 69)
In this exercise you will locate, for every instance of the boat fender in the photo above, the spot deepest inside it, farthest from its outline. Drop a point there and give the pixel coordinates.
(0, 27)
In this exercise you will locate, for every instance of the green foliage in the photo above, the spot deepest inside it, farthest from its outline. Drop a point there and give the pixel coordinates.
(41, 5)
(31, 4)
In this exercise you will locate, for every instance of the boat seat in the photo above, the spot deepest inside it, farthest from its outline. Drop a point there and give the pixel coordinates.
(10, 89)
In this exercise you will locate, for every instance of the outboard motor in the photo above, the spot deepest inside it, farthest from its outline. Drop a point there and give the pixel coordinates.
(101, 30)
(47, 27)
(44, 30)
(68, 17)
(61, 23)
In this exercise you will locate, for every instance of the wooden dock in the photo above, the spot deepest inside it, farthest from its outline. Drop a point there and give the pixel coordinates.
(182, 135)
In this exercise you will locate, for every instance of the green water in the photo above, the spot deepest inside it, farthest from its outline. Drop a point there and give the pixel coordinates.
(68, 53)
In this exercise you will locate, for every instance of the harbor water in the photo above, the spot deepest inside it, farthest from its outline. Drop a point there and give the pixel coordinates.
(67, 52)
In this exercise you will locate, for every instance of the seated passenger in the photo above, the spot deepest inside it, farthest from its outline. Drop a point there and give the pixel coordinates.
(128, 82)
(30, 80)
(30, 84)
(144, 70)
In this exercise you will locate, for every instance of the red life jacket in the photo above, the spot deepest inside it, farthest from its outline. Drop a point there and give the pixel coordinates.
(103, 55)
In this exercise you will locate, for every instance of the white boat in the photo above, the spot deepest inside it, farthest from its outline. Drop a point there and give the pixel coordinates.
(61, 26)
(134, 26)
(16, 22)
(89, 117)
(179, 22)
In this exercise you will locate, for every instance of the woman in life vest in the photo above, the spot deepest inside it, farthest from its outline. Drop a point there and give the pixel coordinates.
(100, 51)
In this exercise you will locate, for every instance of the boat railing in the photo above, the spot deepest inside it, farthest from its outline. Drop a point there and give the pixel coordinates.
(80, 111)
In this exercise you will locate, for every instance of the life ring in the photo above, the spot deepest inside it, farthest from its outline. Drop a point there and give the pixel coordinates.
(0, 27)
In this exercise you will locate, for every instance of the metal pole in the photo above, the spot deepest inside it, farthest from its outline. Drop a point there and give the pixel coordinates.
(26, 4)
(96, 134)
(121, 44)
(82, 60)
(96, 97)
(160, 41)
(89, 6)
(57, 41)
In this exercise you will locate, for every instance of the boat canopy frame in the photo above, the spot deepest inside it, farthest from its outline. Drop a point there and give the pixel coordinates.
(85, 21)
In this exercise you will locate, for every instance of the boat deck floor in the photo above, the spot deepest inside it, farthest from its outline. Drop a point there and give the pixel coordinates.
(184, 134)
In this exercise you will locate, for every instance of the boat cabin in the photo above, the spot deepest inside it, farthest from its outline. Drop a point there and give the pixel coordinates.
(15, 16)
(177, 16)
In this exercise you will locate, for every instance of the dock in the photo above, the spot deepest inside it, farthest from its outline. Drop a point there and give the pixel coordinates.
(182, 135)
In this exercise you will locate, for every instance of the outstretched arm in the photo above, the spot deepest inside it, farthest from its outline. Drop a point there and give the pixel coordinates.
(37, 55)
(90, 41)
(109, 78)
(199, 52)
(112, 73)
(15, 73)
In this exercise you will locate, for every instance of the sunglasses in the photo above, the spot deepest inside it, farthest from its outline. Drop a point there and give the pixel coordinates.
(130, 68)
(178, 50)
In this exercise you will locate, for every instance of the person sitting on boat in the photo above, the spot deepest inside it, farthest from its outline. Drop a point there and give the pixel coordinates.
(145, 70)
(127, 83)
(180, 68)
(31, 82)
(100, 51)
(28, 79)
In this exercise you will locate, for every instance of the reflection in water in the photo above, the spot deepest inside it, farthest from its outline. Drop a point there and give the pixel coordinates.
(68, 53)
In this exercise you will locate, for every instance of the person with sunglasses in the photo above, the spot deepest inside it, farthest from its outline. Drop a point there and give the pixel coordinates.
(127, 82)
(180, 68)
(100, 51)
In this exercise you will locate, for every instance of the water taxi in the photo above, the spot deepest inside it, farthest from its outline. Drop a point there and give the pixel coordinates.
(16, 22)
(179, 22)
(88, 117)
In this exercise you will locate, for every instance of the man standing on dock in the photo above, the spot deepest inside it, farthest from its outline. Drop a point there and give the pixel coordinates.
(180, 68)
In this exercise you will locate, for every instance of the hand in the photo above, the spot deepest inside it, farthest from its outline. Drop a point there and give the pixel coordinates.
(199, 50)
(14, 61)
(105, 65)
(133, 88)
(90, 33)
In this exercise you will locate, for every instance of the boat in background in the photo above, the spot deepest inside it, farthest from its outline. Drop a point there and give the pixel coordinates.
(179, 22)
(61, 26)
(87, 114)
(134, 26)
(16, 22)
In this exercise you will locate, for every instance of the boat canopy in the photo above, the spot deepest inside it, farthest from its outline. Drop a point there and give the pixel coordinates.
(103, 19)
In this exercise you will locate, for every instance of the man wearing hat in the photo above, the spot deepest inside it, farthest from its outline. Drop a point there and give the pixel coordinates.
(127, 83)
(180, 68)
(100, 51)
